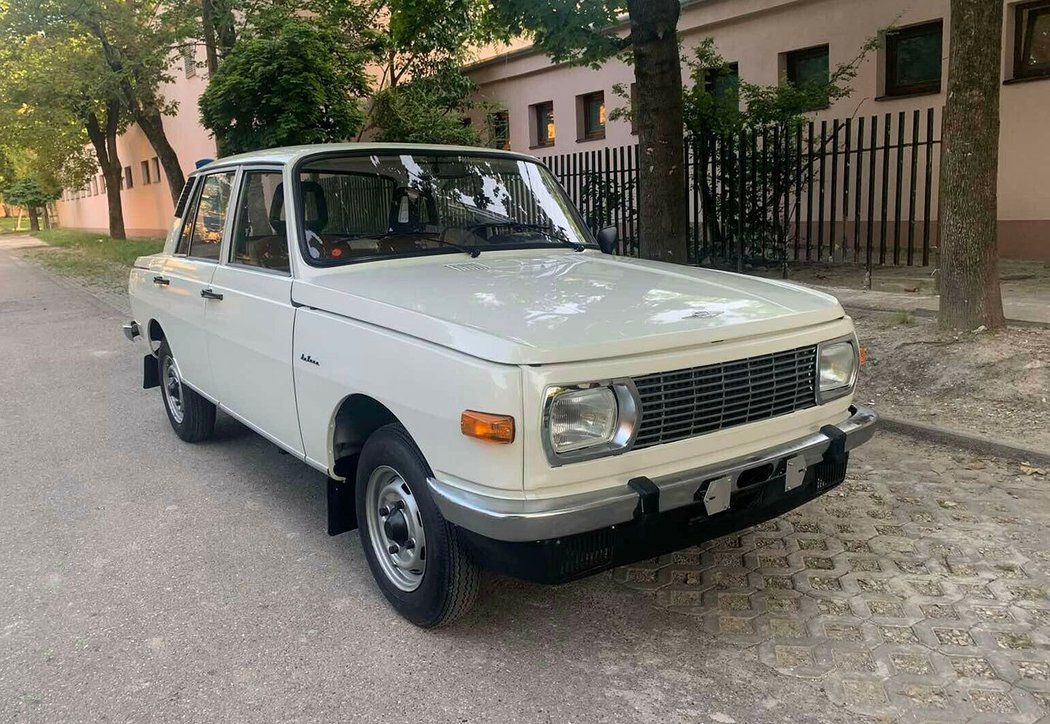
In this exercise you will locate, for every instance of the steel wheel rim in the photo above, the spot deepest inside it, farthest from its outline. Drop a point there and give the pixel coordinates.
(171, 383)
(395, 528)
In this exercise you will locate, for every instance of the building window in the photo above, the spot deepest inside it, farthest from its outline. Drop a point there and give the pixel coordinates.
(723, 82)
(808, 66)
(499, 129)
(101, 184)
(590, 115)
(1032, 39)
(913, 59)
(543, 122)
(127, 182)
(189, 61)
(154, 166)
(144, 166)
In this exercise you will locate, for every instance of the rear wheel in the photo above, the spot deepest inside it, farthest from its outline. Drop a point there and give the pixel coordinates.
(415, 555)
(191, 416)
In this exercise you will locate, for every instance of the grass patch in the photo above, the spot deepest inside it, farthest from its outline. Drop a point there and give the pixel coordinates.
(99, 246)
(7, 224)
(92, 259)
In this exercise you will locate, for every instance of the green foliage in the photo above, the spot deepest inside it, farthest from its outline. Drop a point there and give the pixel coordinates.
(567, 30)
(426, 110)
(290, 80)
(29, 192)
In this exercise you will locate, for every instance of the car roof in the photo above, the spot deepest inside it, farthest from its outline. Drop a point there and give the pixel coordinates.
(289, 155)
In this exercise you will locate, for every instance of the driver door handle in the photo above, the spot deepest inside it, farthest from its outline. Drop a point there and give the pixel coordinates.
(163, 281)
(209, 294)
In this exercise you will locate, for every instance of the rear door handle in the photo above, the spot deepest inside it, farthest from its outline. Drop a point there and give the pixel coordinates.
(209, 294)
(163, 281)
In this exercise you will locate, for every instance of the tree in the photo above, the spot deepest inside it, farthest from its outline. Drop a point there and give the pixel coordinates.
(582, 33)
(32, 194)
(56, 98)
(969, 261)
(287, 81)
(136, 39)
(429, 109)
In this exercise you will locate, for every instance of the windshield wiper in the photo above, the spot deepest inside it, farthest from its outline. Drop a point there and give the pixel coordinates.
(521, 226)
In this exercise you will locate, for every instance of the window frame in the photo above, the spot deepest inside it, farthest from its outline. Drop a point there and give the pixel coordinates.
(893, 88)
(585, 133)
(536, 110)
(198, 192)
(144, 170)
(1021, 14)
(242, 182)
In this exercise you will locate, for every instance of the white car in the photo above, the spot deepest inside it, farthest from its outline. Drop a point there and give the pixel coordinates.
(482, 381)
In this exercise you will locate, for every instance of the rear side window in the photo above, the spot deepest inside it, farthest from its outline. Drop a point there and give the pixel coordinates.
(260, 236)
(205, 235)
(184, 197)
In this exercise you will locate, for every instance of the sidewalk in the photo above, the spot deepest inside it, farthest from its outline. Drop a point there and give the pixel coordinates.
(1025, 288)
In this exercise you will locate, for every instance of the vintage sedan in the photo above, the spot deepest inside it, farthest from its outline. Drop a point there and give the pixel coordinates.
(483, 382)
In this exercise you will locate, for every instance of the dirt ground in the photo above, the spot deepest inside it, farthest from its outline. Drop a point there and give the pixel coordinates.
(993, 384)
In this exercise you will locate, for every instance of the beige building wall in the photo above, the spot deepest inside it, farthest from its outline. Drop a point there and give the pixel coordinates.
(755, 34)
(147, 207)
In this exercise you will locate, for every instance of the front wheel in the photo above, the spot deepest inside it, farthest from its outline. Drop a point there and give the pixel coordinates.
(415, 555)
(191, 416)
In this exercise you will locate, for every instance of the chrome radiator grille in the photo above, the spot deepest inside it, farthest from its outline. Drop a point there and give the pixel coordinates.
(684, 403)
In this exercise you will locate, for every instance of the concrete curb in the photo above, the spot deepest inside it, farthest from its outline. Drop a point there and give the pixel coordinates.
(931, 314)
(968, 440)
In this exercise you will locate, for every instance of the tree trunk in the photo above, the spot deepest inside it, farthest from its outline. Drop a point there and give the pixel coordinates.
(219, 32)
(662, 209)
(45, 216)
(969, 259)
(34, 218)
(104, 139)
(149, 120)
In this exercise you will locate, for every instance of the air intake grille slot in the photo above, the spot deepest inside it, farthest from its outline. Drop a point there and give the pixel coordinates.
(685, 403)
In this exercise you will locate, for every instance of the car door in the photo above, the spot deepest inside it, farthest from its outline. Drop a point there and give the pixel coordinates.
(250, 327)
(186, 275)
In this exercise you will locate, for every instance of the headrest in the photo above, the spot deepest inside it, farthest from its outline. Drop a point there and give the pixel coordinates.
(314, 203)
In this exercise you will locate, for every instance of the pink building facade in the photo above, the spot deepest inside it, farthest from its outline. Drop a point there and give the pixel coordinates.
(549, 109)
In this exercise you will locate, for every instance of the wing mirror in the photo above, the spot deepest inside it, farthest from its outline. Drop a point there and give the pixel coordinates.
(607, 239)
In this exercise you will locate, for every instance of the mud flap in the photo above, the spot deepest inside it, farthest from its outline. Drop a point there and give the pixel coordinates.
(150, 373)
(342, 507)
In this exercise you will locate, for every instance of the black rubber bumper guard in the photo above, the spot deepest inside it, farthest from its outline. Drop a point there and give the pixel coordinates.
(652, 533)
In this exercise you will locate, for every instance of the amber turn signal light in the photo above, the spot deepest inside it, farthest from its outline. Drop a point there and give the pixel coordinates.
(483, 426)
(862, 356)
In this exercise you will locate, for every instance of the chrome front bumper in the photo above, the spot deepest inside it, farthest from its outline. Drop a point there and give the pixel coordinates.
(131, 330)
(537, 520)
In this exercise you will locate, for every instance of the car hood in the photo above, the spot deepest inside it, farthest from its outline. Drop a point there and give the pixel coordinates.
(540, 307)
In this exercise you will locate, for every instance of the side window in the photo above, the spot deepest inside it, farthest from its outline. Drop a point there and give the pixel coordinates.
(210, 218)
(260, 236)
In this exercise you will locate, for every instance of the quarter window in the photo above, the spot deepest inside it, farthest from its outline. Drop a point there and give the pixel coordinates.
(1032, 39)
(260, 235)
(913, 60)
(210, 218)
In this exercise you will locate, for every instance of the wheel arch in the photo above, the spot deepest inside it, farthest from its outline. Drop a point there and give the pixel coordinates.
(155, 334)
(355, 419)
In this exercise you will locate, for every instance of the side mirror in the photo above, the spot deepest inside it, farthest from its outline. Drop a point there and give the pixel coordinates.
(607, 239)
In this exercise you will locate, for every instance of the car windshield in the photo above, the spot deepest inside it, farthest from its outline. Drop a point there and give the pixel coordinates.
(369, 206)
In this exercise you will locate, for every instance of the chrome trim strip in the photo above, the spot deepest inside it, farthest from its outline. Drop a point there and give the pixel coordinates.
(533, 520)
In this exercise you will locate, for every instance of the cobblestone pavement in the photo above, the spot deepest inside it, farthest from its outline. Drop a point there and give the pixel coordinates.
(917, 591)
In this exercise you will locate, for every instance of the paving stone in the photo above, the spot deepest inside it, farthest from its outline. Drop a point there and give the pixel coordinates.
(911, 592)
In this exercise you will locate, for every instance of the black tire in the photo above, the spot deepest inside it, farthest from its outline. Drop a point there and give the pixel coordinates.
(449, 582)
(197, 415)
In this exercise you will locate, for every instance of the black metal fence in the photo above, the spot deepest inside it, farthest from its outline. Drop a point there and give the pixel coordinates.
(860, 190)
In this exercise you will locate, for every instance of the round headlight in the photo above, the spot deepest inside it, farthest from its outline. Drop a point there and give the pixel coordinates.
(837, 369)
(582, 418)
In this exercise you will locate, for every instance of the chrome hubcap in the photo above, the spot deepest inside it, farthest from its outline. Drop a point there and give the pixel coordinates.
(395, 527)
(171, 383)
